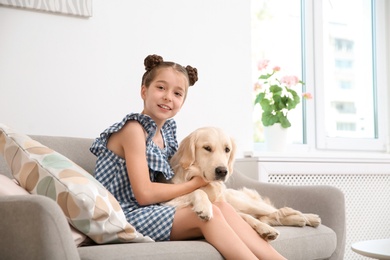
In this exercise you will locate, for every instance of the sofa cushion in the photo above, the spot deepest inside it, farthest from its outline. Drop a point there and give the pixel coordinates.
(88, 206)
(306, 242)
(162, 250)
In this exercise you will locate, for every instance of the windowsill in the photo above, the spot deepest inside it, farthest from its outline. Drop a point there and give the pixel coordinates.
(318, 156)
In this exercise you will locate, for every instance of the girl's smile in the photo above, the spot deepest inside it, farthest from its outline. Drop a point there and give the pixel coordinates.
(165, 107)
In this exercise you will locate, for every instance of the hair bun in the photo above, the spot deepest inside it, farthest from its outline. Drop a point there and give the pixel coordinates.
(152, 61)
(192, 75)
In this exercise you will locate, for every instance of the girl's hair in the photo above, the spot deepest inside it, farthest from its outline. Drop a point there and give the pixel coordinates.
(155, 62)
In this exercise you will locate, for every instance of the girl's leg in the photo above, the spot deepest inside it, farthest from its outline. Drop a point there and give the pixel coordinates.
(187, 225)
(261, 248)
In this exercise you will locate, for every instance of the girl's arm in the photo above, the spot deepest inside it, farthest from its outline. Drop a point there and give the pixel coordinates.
(130, 144)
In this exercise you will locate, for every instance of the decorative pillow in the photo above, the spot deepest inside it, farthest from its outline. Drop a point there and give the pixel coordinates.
(88, 206)
(10, 187)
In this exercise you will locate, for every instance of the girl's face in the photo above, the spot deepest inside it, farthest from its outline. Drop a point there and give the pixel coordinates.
(164, 97)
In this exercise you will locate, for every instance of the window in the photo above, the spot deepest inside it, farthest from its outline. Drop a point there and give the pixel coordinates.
(276, 32)
(340, 55)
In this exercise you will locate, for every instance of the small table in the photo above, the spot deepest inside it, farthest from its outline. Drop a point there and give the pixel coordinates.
(379, 249)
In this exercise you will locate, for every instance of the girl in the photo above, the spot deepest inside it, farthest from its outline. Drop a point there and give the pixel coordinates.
(132, 153)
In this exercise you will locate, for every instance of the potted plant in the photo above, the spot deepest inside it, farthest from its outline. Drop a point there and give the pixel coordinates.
(276, 95)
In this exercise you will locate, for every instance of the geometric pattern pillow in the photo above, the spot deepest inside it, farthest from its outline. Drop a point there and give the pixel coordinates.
(88, 206)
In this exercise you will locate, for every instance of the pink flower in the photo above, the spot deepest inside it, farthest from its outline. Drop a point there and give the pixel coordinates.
(290, 80)
(307, 95)
(257, 86)
(262, 64)
(276, 68)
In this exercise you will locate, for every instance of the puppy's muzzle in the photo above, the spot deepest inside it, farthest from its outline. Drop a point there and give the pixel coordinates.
(220, 173)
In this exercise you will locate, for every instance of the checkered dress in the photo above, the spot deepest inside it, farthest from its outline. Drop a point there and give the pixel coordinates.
(155, 220)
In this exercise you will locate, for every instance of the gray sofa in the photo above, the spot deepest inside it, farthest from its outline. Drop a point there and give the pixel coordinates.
(30, 224)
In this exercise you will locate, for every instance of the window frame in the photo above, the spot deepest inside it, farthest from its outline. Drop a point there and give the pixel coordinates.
(314, 134)
(380, 92)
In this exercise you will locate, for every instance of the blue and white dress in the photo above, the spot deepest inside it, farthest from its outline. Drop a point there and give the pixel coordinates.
(154, 220)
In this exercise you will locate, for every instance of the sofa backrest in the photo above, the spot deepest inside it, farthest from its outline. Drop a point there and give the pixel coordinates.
(76, 149)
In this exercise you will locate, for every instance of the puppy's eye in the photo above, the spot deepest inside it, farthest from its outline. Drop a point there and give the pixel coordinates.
(207, 148)
(227, 149)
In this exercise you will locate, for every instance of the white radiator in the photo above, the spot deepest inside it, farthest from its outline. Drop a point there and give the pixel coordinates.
(366, 185)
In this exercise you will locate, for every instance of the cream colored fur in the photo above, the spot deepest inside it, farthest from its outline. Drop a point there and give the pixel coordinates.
(204, 152)
(209, 152)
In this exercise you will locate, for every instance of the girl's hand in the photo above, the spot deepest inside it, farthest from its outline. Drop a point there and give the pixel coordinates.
(199, 181)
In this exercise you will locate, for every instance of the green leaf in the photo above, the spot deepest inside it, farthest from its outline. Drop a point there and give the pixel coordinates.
(265, 76)
(285, 123)
(275, 89)
(259, 97)
(292, 103)
(266, 105)
(268, 118)
(281, 103)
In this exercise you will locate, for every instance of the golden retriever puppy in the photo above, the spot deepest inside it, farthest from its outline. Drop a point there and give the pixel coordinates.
(209, 152)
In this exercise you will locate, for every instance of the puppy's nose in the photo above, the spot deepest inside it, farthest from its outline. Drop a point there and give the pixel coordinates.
(221, 172)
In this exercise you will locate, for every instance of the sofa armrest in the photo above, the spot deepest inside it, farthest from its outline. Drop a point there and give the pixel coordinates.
(34, 227)
(326, 201)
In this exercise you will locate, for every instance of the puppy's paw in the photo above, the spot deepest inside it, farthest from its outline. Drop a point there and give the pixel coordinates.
(268, 234)
(313, 220)
(295, 221)
(204, 212)
(287, 217)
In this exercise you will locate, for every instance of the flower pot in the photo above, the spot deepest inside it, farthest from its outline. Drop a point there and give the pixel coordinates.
(275, 137)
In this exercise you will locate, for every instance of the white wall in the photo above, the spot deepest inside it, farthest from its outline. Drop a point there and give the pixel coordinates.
(64, 75)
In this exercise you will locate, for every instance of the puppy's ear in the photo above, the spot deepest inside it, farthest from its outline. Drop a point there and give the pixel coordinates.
(232, 155)
(186, 152)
